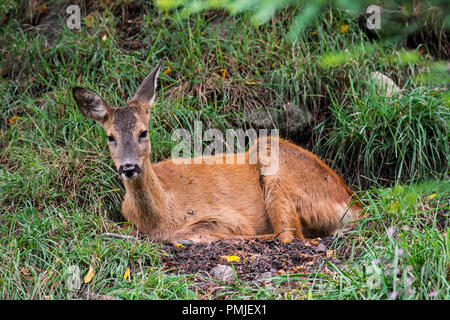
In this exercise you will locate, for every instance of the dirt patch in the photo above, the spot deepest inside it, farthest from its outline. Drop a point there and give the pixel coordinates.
(259, 260)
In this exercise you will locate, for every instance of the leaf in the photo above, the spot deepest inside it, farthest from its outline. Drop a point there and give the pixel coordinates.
(431, 196)
(233, 259)
(329, 253)
(90, 275)
(344, 28)
(13, 119)
(25, 271)
(178, 246)
(126, 274)
(89, 20)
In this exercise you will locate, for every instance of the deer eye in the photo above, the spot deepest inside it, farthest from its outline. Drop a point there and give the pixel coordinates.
(143, 134)
(111, 139)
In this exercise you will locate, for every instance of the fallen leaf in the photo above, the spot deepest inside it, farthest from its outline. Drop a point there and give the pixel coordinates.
(344, 28)
(254, 257)
(89, 276)
(233, 259)
(168, 70)
(25, 271)
(179, 246)
(223, 73)
(42, 9)
(89, 20)
(126, 274)
(13, 119)
(286, 240)
(431, 196)
(329, 253)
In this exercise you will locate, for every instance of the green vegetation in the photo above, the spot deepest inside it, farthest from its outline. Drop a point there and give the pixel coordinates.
(59, 193)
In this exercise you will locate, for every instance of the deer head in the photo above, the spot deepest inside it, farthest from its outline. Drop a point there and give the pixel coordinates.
(126, 127)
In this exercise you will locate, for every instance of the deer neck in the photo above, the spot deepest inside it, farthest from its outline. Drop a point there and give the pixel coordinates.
(147, 202)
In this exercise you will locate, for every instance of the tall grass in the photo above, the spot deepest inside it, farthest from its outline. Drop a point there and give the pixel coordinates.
(375, 136)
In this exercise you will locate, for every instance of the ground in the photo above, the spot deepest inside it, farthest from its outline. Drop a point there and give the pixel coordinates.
(259, 260)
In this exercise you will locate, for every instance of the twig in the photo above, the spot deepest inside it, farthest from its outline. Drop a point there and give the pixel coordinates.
(121, 236)
(284, 230)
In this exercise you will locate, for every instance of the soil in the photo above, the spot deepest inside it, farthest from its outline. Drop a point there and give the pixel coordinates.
(258, 259)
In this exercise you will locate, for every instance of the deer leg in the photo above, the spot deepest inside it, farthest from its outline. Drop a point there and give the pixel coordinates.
(282, 213)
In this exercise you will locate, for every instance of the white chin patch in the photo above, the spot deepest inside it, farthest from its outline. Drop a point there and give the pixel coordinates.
(125, 177)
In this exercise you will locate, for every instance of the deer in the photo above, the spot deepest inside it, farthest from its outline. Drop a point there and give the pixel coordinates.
(201, 203)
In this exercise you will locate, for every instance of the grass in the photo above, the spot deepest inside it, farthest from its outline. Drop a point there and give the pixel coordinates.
(401, 137)
(60, 193)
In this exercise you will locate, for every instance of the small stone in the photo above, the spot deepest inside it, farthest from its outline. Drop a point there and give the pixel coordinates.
(186, 242)
(385, 85)
(321, 248)
(223, 273)
(265, 277)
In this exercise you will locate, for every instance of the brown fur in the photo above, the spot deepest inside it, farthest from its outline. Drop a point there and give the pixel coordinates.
(208, 202)
(205, 202)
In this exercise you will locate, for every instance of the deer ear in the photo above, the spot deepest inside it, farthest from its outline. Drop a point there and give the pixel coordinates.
(90, 104)
(147, 91)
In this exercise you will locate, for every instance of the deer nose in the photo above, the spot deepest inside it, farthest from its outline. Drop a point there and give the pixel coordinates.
(129, 170)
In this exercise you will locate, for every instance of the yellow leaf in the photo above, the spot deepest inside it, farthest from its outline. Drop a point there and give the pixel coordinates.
(250, 83)
(25, 271)
(168, 70)
(13, 119)
(233, 259)
(223, 73)
(89, 275)
(179, 246)
(431, 196)
(285, 240)
(126, 274)
(344, 28)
